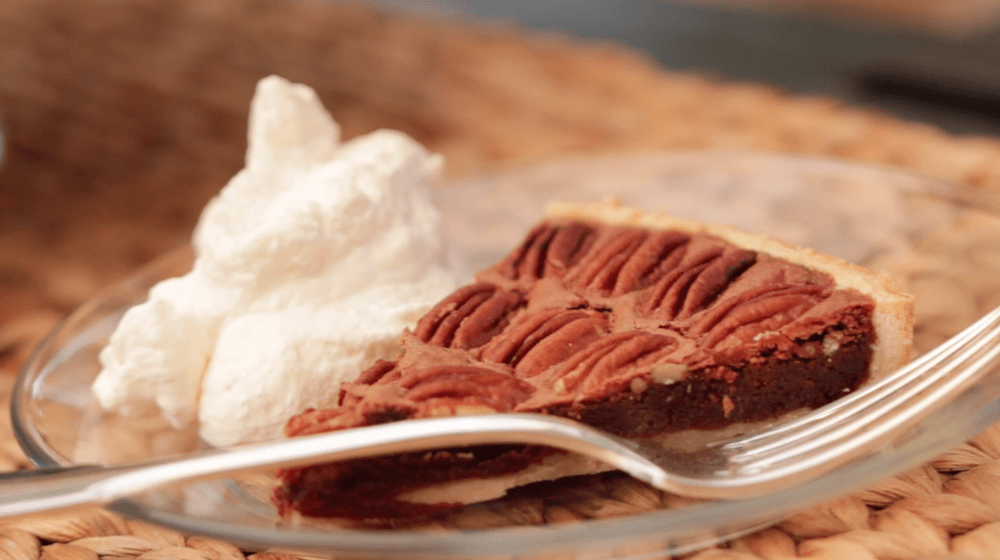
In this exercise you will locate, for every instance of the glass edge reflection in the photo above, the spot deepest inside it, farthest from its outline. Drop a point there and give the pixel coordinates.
(518, 541)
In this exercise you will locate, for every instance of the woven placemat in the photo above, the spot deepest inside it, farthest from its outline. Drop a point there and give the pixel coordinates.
(125, 116)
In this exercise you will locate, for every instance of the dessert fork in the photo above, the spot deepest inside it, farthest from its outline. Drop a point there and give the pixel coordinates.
(889, 411)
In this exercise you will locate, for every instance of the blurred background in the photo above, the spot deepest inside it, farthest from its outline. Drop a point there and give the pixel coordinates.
(931, 60)
(124, 117)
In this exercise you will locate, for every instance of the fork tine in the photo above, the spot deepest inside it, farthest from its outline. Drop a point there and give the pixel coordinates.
(876, 389)
(779, 466)
(918, 385)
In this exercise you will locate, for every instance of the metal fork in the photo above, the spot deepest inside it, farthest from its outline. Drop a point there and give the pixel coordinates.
(885, 411)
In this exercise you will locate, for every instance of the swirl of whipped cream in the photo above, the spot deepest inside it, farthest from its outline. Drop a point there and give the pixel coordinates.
(309, 265)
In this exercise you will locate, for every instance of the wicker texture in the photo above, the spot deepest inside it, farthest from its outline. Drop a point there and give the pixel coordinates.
(125, 116)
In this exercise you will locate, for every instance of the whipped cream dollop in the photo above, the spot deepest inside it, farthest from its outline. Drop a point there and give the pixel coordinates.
(309, 265)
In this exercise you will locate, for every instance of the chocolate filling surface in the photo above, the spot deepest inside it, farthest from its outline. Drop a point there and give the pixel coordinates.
(638, 332)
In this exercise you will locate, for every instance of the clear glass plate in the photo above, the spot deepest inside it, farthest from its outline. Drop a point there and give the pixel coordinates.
(938, 241)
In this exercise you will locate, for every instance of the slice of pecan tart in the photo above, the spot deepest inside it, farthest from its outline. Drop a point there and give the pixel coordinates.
(638, 324)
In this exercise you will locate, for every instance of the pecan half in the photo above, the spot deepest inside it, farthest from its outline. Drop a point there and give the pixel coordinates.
(468, 318)
(657, 255)
(549, 249)
(376, 372)
(546, 338)
(599, 271)
(714, 279)
(765, 312)
(695, 283)
(315, 421)
(601, 361)
(666, 298)
(463, 385)
(381, 372)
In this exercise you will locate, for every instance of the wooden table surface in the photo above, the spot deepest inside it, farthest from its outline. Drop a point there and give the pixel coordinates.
(124, 117)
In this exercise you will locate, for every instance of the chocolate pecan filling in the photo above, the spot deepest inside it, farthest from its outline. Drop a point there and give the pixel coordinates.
(638, 332)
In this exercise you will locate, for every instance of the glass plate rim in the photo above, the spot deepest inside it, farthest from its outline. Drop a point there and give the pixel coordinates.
(760, 511)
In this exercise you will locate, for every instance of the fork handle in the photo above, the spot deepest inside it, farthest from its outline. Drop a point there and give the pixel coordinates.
(50, 489)
(58, 488)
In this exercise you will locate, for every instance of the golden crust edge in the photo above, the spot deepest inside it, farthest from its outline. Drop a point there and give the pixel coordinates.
(893, 315)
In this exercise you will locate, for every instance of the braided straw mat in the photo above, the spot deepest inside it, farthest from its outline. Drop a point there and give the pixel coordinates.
(125, 116)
